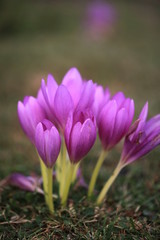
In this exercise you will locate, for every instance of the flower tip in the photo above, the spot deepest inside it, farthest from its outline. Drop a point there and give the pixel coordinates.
(146, 104)
(144, 112)
(73, 69)
(43, 83)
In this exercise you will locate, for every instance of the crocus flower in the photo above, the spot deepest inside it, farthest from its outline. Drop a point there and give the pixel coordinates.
(23, 182)
(26, 183)
(80, 135)
(72, 95)
(48, 142)
(115, 119)
(143, 136)
(30, 114)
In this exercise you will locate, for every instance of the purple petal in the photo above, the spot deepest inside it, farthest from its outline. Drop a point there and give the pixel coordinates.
(98, 99)
(119, 98)
(152, 124)
(130, 109)
(120, 127)
(45, 92)
(52, 146)
(48, 142)
(144, 112)
(52, 88)
(44, 105)
(144, 148)
(87, 96)
(142, 139)
(39, 141)
(23, 182)
(106, 122)
(73, 82)
(47, 124)
(82, 139)
(30, 114)
(68, 129)
(63, 105)
(139, 133)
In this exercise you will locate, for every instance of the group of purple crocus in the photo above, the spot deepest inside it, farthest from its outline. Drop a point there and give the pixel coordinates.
(63, 122)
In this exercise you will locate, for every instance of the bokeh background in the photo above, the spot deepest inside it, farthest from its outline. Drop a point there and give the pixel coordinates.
(39, 37)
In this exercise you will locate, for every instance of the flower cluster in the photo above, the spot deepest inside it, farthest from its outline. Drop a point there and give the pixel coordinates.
(63, 122)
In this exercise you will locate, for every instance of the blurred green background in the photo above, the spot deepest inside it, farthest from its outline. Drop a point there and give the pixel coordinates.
(41, 37)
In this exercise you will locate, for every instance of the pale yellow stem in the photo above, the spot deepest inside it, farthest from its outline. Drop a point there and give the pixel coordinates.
(108, 184)
(58, 168)
(47, 175)
(50, 189)
(75, 172)
(63, 169)
(67, 184)
(96, 172)
(44, 177)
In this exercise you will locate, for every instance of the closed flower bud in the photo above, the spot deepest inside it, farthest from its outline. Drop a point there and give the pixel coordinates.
(143, 136)
(114, 120)
(48, 142)
(80, 135)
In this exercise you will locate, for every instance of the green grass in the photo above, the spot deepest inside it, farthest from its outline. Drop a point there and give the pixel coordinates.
(130, 212)
(127, 60)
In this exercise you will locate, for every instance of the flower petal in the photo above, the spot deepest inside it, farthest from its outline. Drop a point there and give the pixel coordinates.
(82, 139)
(30, 114)
(120, 126)
(23, 182)
(39, 141)
(119, 97)
(87, 96)
(99, 99)
(68, 129)
(52, 146)
(52, 88)
(144, 112)
(63, 105)
(106, 122)
(73, 82)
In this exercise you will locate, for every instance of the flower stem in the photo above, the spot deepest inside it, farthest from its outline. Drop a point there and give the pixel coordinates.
(47, 185)
(44, 177)
(108, 184)
(63, 169)
(68, 182)
(58, 168)
(75, 172)
(50, 189)
(95, 172)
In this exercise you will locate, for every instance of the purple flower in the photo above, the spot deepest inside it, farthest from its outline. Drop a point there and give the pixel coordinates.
(80, 135)
(48, 142)
(115, 119)
(100, 18)
(25, 183)
(72, 95)
(143, 136)
(30, 114)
